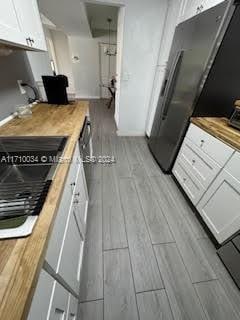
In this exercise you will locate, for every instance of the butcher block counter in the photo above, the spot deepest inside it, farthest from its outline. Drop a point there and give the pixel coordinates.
(21, 259)
(219, 128)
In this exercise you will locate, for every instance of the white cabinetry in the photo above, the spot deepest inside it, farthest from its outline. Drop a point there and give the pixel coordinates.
(56, 241)
(171, 20)
(59, 305)
(42, 297)
(220, 206)
(20, 24)
(194, 7)
(30, 21)
(71, 255)
(208, 171)
(72, 308)
(10, 29)
(80, 201)
(52, 301)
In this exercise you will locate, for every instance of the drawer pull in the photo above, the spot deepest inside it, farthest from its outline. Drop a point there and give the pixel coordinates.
(202, 143)
(77, 194)
(193, 161)
(184, 179)
(76, 201)
(73, 184)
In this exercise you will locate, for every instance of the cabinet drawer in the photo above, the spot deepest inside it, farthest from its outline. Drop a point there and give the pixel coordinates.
(71, 255)
(233, 166)
(199, 166)
(193, 190)
(55, 243)
(42, 297)
(213, 147)
(59, 305)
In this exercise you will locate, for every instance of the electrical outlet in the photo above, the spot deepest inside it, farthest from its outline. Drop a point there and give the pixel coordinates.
(21, 88)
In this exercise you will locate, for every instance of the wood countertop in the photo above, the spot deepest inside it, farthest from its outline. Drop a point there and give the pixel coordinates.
(21, 259)
(219, 128)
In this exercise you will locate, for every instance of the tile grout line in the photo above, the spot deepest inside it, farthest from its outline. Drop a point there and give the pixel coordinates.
(130, 261)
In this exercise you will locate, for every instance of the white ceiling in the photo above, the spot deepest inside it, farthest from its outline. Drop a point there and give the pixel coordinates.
(68, 15)
(98, 15)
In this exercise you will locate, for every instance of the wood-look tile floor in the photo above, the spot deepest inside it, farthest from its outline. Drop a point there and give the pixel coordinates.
(146, 256)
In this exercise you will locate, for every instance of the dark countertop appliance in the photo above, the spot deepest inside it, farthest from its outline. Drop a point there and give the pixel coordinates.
(56, 89)
(202, 78)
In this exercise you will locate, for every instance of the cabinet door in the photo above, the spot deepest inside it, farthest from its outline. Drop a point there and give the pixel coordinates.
(72, 308)
(220, 206)
(59, 306)
(30, 21)
(10, 29)
(71, 255)
(192, 8)
(207, 4)
(81, 201)
(56, 240)
(42, 297)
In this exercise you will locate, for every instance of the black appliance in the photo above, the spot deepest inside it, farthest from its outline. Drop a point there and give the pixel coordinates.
(230, 256)
(56, 89)
(202, 77)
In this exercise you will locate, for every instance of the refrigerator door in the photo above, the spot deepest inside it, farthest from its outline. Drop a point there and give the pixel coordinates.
(188, 60)
(178, 106)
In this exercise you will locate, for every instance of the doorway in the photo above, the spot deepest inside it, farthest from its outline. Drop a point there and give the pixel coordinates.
(107, 67)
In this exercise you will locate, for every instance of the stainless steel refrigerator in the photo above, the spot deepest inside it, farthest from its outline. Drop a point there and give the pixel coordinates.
(202, 77)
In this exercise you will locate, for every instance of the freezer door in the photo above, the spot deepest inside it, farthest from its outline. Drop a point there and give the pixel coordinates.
(178, 106)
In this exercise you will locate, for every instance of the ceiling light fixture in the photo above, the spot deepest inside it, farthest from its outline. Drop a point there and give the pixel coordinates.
(108, 52)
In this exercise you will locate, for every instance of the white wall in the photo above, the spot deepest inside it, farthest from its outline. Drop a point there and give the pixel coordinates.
(40, 64)
(63, 56)
(143, 27)
(86, 70)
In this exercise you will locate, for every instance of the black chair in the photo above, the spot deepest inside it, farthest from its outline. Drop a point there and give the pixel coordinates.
(56, 89)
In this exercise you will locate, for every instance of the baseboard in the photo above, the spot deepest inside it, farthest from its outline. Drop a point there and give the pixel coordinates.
(87, 97)
(130, 133)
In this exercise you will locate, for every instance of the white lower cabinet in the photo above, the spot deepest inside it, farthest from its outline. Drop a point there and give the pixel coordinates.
(220, 206)
(59, 303)
(80, 202)
(72, 308)
(71, 255)
(52, 301)
(56, 240)
(193, 188)
(208, 171)
(42, 297)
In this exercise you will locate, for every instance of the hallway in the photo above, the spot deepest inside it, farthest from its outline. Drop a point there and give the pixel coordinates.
(146, 257)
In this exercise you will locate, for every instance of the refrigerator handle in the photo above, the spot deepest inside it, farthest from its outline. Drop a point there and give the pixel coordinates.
(171, 82)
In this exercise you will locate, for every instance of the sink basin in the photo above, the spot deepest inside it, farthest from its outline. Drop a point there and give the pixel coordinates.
(27, 167)
(27, 173)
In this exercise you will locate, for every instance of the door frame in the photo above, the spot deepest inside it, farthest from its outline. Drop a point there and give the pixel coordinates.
(120, 31)
(100, 65)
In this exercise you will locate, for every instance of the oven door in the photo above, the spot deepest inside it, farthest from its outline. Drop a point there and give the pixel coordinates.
(85, 141)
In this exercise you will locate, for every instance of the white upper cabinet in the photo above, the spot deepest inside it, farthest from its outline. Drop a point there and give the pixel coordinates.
(20, 24)
(194, 7)
(10, 29)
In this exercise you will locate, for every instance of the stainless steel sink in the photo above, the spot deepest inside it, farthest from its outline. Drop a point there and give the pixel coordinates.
(27, 167)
